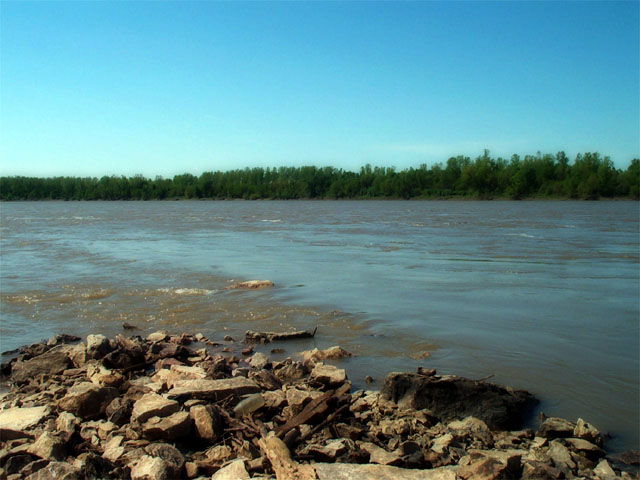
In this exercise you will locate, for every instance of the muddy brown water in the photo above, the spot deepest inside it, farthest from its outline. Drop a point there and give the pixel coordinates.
(543, 296)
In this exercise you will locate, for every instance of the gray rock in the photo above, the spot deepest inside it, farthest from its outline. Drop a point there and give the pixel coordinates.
(604, 471)
(87, 400)
(474, 428)
(589, 449)
(15, 422)
(450, 398)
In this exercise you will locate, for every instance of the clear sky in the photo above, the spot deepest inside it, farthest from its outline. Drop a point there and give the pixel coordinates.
(159, 88)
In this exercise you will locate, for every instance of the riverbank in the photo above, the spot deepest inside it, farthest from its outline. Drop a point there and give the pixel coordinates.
(186, 406)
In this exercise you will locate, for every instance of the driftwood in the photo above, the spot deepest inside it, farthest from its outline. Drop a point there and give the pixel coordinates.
(314, 407)
(283, 465)
(268, 337)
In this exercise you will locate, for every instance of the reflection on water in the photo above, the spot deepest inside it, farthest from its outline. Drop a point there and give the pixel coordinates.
(543, 295)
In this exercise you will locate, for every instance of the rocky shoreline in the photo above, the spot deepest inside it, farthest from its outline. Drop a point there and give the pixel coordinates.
(184, 406)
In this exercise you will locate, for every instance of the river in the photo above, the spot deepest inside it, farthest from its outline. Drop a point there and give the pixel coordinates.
(541, 295)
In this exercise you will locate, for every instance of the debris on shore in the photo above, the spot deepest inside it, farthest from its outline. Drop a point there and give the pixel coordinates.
(181, 406)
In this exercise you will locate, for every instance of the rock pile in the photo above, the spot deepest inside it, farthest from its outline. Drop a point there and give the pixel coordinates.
(161, 408)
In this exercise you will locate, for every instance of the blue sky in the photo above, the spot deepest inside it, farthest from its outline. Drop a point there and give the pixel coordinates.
(160, 88)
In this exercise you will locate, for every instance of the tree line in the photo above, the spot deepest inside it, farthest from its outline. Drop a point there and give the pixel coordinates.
(588, 176)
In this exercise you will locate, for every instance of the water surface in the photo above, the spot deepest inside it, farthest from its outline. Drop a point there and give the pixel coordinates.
(540, 295)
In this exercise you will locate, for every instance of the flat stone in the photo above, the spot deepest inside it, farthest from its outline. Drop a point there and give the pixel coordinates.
(213, 389)
(159, 336)
(183, 372)
(98, 346)
(554, 427)
(259, 361)
(487, 468)
(207, 422)
(561, 456)
(14, 422)
(473, 427)
(441, 443)
(329, 452)
(591, 450)
(234, 471)
(153, 405)
(587, 432)
(350, 471)
(87, 400)
(328, 375)
(53, 362)
(315, 355)
(379, 455)
(171, 456)
(150, 468)
(174, 426)
(604, 471)
(48, 446)
(113, 449)
(57, 470)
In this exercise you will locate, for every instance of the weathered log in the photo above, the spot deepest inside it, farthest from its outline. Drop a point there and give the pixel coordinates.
(268, 337)
(316, 406)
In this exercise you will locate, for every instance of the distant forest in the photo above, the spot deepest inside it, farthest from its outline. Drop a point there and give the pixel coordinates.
(589, 176)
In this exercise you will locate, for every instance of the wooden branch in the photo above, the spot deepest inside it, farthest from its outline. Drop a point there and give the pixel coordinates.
(283, 465)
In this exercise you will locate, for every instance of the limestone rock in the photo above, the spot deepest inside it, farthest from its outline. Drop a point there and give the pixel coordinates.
(153, 405)
(103, 377)
(234, 471)
(554, 427)
(379, 455)
(315, 355)
(57, 470)
(328, 375)
(589, 449)
(604, 471)
(213, 389)
(98, 346)
(474, 428)
(119, 410)
(53, 362)
(207, 422)
(183, 372)
(350, 471)
(259, 361)
(159, 336)
(113, 449)
(48, 446)
(66, 424)
(587, 432)
(561, 456)
(150, 468)
(441, 443)
(87, 400)
(172, 427)
(487, 468)
(171, 456)
(15, 422)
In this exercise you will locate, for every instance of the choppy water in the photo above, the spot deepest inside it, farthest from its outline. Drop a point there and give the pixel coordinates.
(543, 295)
